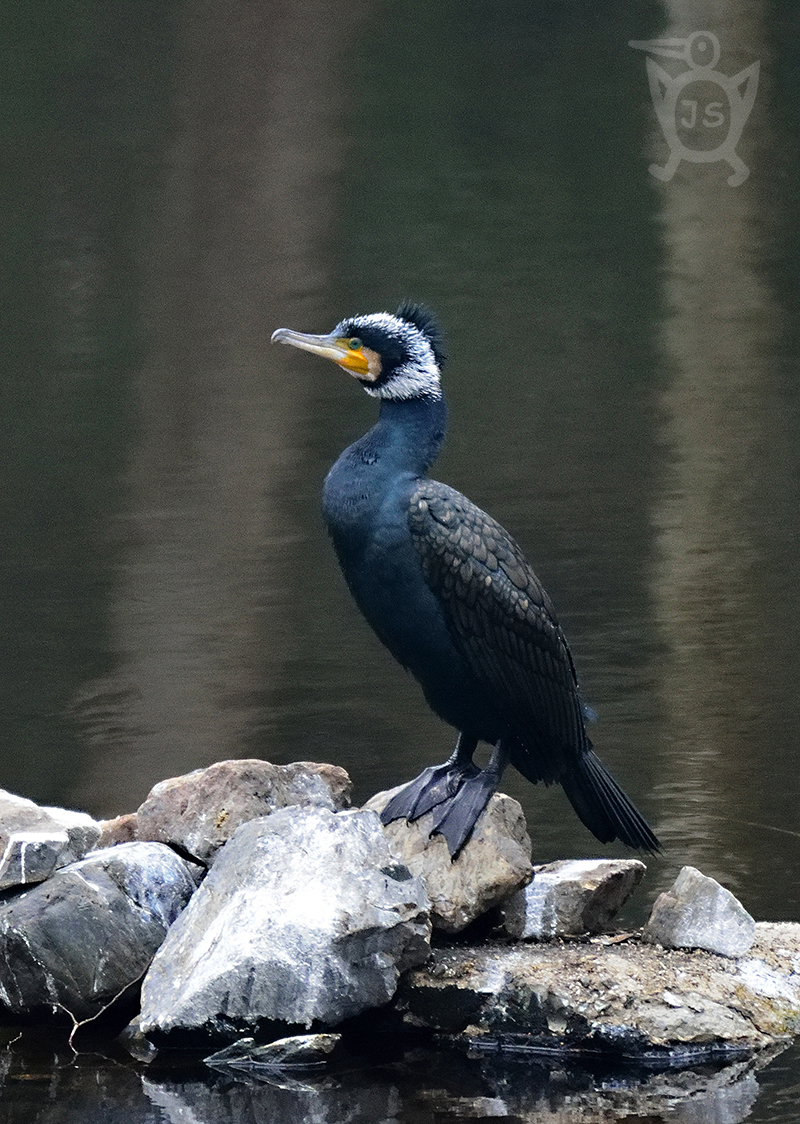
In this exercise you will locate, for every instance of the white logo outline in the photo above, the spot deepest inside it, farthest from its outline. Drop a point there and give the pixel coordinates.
(701, 52)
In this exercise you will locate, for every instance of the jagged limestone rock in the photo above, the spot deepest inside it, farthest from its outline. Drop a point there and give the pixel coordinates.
(36, 840)
(305, 917)
(31, 856)
(699, 913)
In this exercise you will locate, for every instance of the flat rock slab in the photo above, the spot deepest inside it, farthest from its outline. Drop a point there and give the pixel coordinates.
(70, 946)
(494, 864)
(571, 897)
(305, 917)
(696, 912)
(626, 998)
(199, 811)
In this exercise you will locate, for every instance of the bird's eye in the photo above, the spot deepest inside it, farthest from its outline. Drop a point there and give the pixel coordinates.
(354, 344)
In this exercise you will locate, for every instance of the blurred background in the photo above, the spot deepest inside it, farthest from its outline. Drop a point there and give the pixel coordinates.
(180, 179)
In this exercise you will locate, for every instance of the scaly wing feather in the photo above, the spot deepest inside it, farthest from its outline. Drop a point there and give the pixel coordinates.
(502, 622)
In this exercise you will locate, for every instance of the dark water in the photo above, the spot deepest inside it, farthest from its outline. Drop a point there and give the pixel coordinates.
(180, 179)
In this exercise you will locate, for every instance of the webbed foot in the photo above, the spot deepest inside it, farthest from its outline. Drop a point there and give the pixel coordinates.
(456, 792)
(455, 818)
(434, 786)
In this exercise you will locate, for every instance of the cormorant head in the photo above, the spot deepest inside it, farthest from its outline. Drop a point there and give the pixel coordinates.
(393, 355)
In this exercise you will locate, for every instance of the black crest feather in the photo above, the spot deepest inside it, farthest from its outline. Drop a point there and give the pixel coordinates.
(424, 320)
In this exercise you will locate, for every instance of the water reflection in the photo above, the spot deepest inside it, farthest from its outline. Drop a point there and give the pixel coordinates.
(200, 616)
(416, 1087)
(719, 341)
(464, 1089)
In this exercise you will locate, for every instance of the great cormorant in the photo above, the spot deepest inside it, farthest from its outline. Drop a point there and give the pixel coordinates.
(450, 594)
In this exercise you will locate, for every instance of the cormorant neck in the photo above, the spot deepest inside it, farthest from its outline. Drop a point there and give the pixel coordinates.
(412, 431)
(384, 462)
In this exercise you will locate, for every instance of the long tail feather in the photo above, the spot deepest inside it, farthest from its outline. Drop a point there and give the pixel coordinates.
(603, 807)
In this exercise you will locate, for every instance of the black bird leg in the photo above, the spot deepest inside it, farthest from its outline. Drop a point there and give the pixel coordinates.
(455, 819)
(434, 785)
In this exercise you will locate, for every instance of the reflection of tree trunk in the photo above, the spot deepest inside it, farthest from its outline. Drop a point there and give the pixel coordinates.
(238, 248)
(716, 338)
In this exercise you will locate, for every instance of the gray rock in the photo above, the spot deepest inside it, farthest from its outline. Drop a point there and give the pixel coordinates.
(300, 1051)
(629, 998)
(198, 812)
(571, 897)
(25, 860)
(139, 1047)
(699, 913)
(495, 863)
(83, 831)
(305, 917)
(73, 944)
(31, 856)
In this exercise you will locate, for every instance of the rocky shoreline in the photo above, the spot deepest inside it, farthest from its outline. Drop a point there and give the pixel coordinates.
(247, 900)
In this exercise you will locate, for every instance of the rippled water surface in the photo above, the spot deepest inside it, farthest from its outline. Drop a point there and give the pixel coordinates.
(180, 180)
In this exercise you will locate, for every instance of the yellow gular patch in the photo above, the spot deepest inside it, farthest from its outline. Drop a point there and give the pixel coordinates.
(362, 362)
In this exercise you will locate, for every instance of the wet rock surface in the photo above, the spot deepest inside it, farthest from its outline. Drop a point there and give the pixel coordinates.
(198, 812)
(494, 864)
(306, 916)
(571, 897)
(699, 913)
(70, 946)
